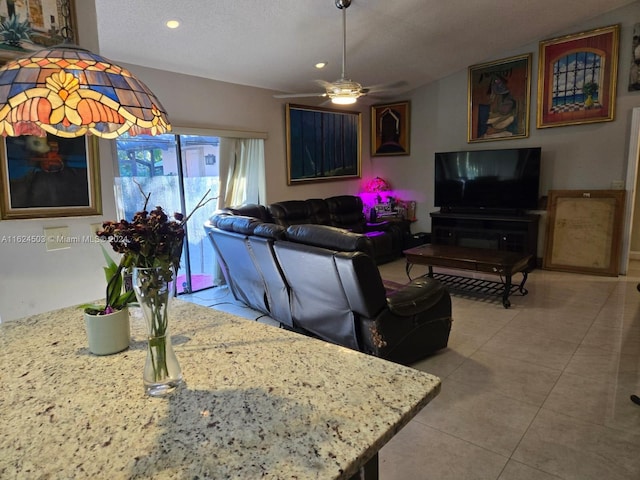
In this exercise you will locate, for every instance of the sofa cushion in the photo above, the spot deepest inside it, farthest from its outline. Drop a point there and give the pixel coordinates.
(319, 211)
(238, 224)
(251, 210)
(345, 211)
(270, 230)
(332, 238)
(291, 212)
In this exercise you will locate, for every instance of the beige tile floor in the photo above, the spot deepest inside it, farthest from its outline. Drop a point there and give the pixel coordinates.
(538, 391)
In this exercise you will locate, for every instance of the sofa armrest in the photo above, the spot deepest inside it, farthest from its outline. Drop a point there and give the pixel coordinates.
(417, 296)
(376, 226)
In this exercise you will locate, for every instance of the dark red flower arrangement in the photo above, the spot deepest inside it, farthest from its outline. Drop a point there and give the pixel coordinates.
(150, 239)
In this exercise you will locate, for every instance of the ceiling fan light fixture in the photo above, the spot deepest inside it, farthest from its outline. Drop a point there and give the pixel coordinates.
(344, 99)
(344, 92)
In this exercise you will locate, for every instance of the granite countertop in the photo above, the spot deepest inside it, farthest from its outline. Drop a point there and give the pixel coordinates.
(258, 402)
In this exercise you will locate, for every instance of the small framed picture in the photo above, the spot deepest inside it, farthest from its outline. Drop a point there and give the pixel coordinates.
(499, 95)
(390, 128)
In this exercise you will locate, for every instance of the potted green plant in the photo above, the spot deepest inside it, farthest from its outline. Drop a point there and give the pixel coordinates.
(107, 325)
(589, 89)
(13, 31)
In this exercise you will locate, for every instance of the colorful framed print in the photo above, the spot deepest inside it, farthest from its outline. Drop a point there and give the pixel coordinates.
(390, 128)
(49, 177)
(32, 26)
(322, 144)
(577, 77)
(499, 99)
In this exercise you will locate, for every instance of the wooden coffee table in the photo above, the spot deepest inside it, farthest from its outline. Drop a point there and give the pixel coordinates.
(495, 262)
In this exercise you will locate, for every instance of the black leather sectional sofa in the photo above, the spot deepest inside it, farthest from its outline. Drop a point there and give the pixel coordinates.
(322, 280)
(342, 211)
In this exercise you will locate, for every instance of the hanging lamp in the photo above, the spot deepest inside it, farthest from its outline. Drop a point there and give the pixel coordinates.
(68, 91)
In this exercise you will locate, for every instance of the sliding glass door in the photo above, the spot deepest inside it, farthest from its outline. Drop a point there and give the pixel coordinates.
(178, 171)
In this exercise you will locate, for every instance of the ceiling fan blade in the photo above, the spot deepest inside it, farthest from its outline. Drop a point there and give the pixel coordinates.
(324, 84)
(383, 87)
(299, 95)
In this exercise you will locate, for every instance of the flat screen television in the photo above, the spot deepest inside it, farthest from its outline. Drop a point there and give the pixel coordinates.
(500, 180)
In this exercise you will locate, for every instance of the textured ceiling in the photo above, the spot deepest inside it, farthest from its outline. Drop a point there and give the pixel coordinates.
(274, 44)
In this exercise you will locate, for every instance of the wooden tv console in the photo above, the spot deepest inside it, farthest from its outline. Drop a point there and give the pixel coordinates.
(496, 262)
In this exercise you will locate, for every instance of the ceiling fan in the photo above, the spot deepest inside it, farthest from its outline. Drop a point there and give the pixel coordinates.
(343, 91)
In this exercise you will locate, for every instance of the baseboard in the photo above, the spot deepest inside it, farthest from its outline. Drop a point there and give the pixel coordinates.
(634, 255)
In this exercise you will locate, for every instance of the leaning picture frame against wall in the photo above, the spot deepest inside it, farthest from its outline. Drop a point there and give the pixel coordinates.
(49, 176)
(32, 26)
(584, 231)
(577, 76)
(390, 129)
(499, 99)
(322, 144)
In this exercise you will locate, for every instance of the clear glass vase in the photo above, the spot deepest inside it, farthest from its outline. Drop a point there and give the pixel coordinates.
(154, 290)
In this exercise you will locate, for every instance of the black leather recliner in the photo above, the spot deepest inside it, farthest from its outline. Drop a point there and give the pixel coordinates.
(319, 280)
(231, 246)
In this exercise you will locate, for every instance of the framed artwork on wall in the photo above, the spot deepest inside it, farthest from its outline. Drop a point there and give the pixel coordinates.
(31, 26)
(49, 177)
(634, 69)
(390, 129)
(322, 144)
(499, 99)
(577, 77)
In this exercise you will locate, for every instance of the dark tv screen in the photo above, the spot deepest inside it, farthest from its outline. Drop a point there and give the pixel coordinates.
(488, 179)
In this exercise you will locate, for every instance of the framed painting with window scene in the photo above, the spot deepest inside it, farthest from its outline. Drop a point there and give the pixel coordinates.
(577, 76)
(322, 144)
(49, 177)
(499, 95)
(30, 26)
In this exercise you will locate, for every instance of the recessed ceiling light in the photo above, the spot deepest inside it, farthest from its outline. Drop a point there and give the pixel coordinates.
(173, 24)
(320, 65)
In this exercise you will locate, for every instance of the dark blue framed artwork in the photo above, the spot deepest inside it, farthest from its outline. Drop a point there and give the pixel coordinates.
(49, 177)
(322, 144)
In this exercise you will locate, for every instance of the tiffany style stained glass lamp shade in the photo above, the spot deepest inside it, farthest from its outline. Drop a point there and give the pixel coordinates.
(68, 91)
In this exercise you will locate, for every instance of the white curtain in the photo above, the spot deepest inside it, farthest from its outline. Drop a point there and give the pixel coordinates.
(242, 171)
(242, 177)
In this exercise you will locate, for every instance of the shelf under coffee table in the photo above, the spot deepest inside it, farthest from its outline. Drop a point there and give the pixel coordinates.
(496, 262)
